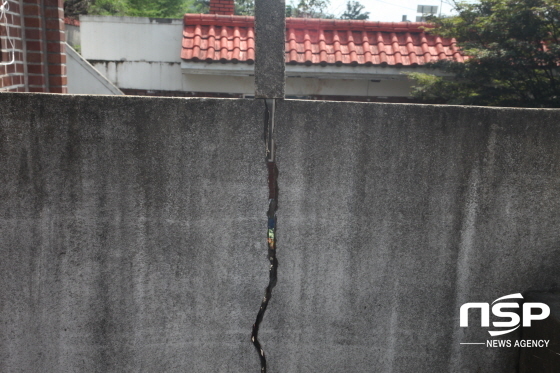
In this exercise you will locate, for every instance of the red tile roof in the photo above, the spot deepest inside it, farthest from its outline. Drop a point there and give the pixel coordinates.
(211, 38)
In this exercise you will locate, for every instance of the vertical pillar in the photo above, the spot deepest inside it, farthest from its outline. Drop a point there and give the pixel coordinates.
(270, 35)
(270, 44)
(56, 45)
(45, 45)
(34, 24)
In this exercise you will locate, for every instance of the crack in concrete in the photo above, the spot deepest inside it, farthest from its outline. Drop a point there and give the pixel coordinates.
(271, 226)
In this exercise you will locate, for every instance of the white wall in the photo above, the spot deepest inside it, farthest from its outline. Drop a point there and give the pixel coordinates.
(131, 38)
(134, 52)
(73, 35)
(165, 76)
(347, 87)
(83, 78)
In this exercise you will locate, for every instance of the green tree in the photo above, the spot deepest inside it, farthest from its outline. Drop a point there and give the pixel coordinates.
(158, 8)
(137, 8)
(201, 6)
(245, 7)
(73, 8)
(176, 8)
(309, 9)
(354, 11)
(514, 55)
(109, 8)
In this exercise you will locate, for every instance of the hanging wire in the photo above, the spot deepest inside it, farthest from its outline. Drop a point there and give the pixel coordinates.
(271, 225)
(4, 8)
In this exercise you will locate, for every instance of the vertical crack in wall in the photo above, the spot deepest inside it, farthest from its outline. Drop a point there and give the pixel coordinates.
(271, 225)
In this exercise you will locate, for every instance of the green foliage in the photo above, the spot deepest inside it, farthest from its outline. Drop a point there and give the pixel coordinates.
(309, 9)
(245, 7)
(109, 8)
(438, 90)
(158, 8)
(354, 11)
(514, 55)
(73, 8)
(136, 8)
(176, 8)
(200, 6)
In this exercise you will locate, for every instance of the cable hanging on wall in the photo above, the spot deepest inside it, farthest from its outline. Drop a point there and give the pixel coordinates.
(4, 8)
(270, 106)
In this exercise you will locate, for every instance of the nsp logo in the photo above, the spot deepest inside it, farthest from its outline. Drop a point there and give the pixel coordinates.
(498, 310)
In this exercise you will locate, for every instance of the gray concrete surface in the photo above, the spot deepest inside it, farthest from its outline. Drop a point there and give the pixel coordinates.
(270, 36)
(83, 78)
(392, 216)
(73, 35)
(132, 233)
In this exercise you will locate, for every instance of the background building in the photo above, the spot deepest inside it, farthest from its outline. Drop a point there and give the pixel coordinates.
(212, 55)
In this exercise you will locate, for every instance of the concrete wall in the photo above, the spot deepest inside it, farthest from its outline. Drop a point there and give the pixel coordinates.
(132, 233)
(392, 216)
(128, 226)
(167, 77)
(149, 75)
(84, 78)
(73, 35)
(134, 52)
(131, 38)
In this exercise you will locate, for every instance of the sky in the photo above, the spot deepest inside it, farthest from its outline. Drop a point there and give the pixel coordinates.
(391, 10)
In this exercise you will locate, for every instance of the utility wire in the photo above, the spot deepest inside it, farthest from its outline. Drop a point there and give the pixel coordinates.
(5, 7)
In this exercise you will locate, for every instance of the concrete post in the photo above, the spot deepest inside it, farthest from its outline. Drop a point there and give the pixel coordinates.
(270, 35)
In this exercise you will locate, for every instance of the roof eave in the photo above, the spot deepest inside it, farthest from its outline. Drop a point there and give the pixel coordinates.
(313, 71)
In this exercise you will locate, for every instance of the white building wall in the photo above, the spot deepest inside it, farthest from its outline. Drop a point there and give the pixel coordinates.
(83, 78)
(164, 76)
(73, 35)
(219, 83)
(134, 52)
(347, 87)
(298, 86)
(131, 39)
